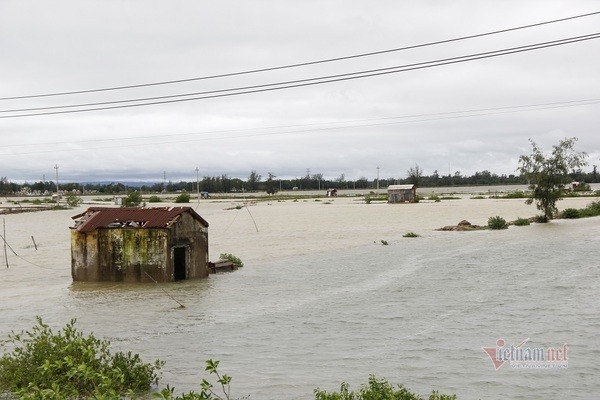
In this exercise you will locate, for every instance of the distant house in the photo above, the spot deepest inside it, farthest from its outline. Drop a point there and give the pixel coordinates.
(402, 194)
(159, 244)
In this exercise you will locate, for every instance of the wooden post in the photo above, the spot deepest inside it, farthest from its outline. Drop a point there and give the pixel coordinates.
(34, 245)
(4, 239)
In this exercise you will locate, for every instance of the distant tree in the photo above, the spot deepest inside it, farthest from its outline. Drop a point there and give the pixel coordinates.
(184, 197)
(271, 187)
(362, 183)
(547, 175)
(415, 175)
(73, 200)
(133, 199)
(253, 180)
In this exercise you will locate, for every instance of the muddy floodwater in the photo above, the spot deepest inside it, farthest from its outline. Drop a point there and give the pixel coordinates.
(320, 300)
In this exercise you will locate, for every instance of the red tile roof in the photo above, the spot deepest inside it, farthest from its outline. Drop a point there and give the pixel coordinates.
(146, 218)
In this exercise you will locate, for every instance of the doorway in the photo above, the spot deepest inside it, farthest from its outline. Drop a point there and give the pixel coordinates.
(179, 263)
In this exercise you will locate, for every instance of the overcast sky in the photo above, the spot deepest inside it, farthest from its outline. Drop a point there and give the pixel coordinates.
(431, 116)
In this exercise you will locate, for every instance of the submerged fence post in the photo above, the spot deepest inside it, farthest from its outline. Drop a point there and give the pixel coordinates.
(4, 239)
(34, 244)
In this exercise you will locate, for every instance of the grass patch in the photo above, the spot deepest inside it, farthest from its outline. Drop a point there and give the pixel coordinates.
(434, 197)
(411, 235)
(521, 222)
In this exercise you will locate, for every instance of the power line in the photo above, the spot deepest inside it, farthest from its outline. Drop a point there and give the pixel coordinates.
(353, 124)
(559, 104)
(299, 83)
(302, 64)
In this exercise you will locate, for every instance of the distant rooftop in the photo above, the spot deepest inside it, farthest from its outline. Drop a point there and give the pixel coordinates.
(401, 187)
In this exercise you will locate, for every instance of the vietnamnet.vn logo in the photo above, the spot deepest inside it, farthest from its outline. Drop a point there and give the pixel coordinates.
(521, 357)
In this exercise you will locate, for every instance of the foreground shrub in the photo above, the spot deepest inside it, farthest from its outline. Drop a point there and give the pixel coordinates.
(69, 365)
(497, 223)
(377, 389)
(206, 387)
(521, 222)
(570, 213)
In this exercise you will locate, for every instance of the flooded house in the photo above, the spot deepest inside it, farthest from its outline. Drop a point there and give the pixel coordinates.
(402, 193)
(161, 244)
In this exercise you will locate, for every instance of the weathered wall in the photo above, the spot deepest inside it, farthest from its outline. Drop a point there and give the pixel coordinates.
(120, 254)
(189, 232)
(84, 256)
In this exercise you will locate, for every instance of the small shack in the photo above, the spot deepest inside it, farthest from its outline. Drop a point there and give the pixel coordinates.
(161, 244)
(402, 194)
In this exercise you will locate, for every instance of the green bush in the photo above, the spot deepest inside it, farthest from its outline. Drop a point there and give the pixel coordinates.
(592, 210)
(69, 365)
(184, 197)
(73, 200)
(377, 389)
(434, 197)
(232, 258)
(410, 235)
(497, 223)
(154, 199)
(133, 199)
(521, 222)
(570, 213)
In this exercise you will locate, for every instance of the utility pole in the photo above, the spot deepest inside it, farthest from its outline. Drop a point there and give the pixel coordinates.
(378, 179)
(57, 193)
(198, 183)
(164, 181)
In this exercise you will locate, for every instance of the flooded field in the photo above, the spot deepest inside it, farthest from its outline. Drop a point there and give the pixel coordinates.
(320, 300)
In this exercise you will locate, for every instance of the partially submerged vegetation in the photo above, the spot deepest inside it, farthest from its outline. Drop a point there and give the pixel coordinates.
(410, 235)
(230, 257)
(497, 222)
(377, 389)
(44, 365)
(69, 365)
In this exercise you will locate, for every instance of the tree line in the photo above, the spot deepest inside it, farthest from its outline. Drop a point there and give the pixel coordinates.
(270, 183)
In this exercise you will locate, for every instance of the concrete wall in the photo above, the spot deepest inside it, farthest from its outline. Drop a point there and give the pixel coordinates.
(129, 254)
(189, 232)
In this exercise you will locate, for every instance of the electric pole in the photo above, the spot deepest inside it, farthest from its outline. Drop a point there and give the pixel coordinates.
(198, 183)
(57, 193)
